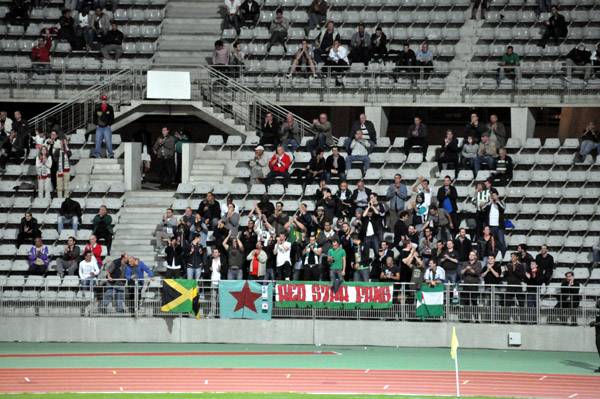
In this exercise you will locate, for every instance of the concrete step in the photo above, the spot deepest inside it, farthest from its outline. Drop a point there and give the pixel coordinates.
(183, 57)
(207, 173)
(108, 167)
(140, 217)
(143, 211)
(124, 241)
(175, 44)
(207, 179)
(149, 226)
(134, 248)
(164, 202)
(147, 193)
(107, 178)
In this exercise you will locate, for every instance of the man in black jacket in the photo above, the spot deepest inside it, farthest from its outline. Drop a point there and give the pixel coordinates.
(448, 152)
(405, 62)
(556, 27)
(359, 259)
(446, 197)
(580, 58)
(249, 13)
(113, 41)
(70, 212)
(104, 117)
(335, 166)
(366, 126)
(416, 136)
(545, 262)
(210, 211)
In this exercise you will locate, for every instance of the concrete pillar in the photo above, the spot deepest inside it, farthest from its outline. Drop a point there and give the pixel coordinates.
(187, 159)
(522, 123)
(133, 166)
(379, 117)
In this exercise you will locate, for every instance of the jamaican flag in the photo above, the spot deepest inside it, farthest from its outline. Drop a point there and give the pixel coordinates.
(180, 296)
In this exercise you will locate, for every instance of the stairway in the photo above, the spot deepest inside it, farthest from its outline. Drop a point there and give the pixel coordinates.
(208, 171)
(107, 170)
(142, 211)
(189, 31)
(463, 53)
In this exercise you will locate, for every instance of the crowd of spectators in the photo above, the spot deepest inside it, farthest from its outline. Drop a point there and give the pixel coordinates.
(86, 25)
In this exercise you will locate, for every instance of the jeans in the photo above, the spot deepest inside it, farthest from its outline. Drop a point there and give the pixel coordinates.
(103, 134)
(272, 175)
(587, 146)
(335, 275)
(452, 277)
(112, 48)
(315, 20)
(74, 220)
(194, 273)
(270, 274)
(320, 141)
(361, 275)
(499, 234)
(291, 145)
(235, 274)
(114, 293)
(483, 160)
(68, 266)
(360, 158)
(543, 6)
(372, 242)
(327, 176)
(88, 282)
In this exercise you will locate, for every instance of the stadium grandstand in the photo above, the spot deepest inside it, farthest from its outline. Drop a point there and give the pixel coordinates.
(388, 169)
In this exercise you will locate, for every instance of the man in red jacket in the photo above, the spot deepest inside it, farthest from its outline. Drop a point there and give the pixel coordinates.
(40, 54)
(279, 165)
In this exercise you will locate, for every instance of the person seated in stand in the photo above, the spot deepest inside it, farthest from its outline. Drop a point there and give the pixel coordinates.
(304, 57)
(358, 149)
(337, 61)
(67, 263)
(249, 13)
(324, 42)
(88, 270)
(279, 166)
(405, 63)
(367, 127)
(70, 212)
(474, 128)
(18, 13)
(424, 59)
(556, 28)
(580, 59)
(278, 30)
(509, 64)
(38, 258)
(289, 134)
(166, 229)
(416, 136)
(335, 166)
(317, 14)
(588, 142)
(468, 153)
(269, 130)
(486, 155)
(221, 57)
(360, 44)
(113, 41)
(324, 135)
(103, 228)
(448, 153)
(258, 165)
(504, 168)
(232, 15)
(313, 171)
(379, 51)
(28, 230)
(11, 150)
(40, 55)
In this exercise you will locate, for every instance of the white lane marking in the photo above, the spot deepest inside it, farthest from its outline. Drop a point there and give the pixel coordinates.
(27, 379)
(114, 372)
(542, 378)
(205, 382)
(367, 370)
(572, 396)
(288, 376)
(121, 389)
(386, 386)
(466, 382)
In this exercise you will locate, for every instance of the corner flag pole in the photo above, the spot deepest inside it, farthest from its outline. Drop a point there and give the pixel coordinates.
(456, 370)
(454, 355)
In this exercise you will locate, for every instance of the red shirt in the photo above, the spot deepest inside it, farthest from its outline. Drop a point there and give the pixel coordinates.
(96, 250)
(280, 165)
(42, 54)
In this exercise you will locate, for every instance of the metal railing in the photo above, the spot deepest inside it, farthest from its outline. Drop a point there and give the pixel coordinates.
(467, 303)
(78, 111)
(247, 107)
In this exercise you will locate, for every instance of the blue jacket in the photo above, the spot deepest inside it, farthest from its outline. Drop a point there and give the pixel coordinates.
(142, 269)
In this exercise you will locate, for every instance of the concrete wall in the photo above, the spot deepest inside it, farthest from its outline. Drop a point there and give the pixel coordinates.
(293, 331)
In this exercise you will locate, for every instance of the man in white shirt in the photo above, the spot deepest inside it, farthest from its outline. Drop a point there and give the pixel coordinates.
(494, 211)
(283, 251)
(337, 60)
(435, 274)
(232, 18)
(88, 270)
(358, 149)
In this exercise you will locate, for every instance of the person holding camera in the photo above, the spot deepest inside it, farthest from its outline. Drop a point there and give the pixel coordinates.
(164, 149)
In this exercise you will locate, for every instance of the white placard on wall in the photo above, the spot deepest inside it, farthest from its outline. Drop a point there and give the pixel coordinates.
(168, 85)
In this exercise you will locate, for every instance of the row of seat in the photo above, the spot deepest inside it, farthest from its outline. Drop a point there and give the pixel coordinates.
(130, 30)
(24, 45)
(369, 3)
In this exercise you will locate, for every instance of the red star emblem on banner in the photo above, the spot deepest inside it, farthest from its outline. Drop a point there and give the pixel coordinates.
(245, 298)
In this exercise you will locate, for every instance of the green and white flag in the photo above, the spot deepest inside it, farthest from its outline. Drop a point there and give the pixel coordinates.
(430, 301)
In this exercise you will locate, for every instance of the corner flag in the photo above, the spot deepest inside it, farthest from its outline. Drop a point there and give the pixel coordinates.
(453, 344)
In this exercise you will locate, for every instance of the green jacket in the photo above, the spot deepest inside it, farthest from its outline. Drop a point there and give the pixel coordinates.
(102, 222)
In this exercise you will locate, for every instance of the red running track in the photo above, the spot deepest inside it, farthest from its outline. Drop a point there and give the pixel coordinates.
(299, 380)
(129, 354)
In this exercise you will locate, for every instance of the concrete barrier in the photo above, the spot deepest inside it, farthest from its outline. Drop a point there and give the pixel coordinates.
(293, 331)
